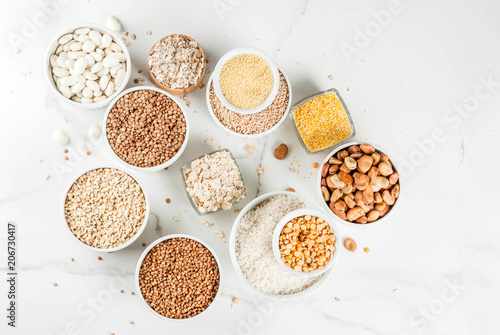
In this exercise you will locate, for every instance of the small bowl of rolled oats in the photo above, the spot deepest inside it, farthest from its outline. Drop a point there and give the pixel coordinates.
(177, 64)
(213, 182)
(105, 209)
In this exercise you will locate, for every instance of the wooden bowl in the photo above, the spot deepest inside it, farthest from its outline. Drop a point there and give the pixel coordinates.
(178, 91)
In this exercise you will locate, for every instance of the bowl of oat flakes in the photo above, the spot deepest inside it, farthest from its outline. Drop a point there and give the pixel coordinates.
(177, 64)
(105, 209)
(213, 182)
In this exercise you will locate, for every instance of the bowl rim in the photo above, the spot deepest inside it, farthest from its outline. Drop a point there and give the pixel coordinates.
(151, 168)
(262, 134)
(232, 248)
(346, 110)
(295, 214)
(49, 51)
(133, 238)
(178, 91)
(242, 51)
(162, 239)
(329, 211)
(185, 166)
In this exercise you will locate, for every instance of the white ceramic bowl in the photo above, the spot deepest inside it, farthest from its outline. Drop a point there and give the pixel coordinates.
(121, 246)
(264, 133)
(148, 249)
(243, 51)
(48, 68)
(329, 211)
(152, 168)
(232, 247)
(295, 214)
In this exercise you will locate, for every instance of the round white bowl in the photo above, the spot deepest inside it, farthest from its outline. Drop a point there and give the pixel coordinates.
(295, 214)
(232, 248)
(121, 246)
(148, 249)
(48, 68)
(264, 133)
(329, 211)
(242, 51)
(152, 168)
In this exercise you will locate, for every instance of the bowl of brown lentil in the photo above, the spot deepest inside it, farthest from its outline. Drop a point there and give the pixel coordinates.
(178, 277)
(322, 121)
(248, 125)
(246, 80)
(177, 64)
(358, 184)
(105, 209)
(146, 129)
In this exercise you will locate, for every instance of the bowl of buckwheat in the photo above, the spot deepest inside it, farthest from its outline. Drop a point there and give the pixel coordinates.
(105, 209)
(146, 129)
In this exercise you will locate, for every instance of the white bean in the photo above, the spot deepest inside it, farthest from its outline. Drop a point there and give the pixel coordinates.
(53, 60)
(70, 63)
(68, 81)
(90, 61)
(76, 46)
(80, 78)
(110, 61)
(87, 92)
(76, 54)
(114, 70)
(60, 137)
(121, 56)
(81, 31)
(93, 86)
(115, 47)
(97, 93)
(83, 38)
(76, 98)
(88, 46)
(97, 56)
(77, 87)
(66, 92)
(100, 98)
(89, 75)
(67, 46)
(65, 39)
(120, 77)
(61, 60)
(60, 72)
(113, 23)
(103, 82)
(86, 101)
(108, 52)
(110, 89)
(94, 131)
(95, 36)
(102, 72)
(106, 40)
(80, 65)
(96, 68)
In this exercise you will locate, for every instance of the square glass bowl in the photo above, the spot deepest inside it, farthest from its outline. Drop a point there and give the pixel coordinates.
(346, 110)
(186, 166)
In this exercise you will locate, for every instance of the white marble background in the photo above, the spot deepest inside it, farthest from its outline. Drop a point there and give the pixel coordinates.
(433, 268)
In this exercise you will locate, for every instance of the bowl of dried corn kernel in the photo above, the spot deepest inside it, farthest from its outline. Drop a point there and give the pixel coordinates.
(322, 121)
(305, 243)
(246, 80)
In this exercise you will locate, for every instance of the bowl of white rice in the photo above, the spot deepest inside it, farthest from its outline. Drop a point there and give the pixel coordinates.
(251, 251)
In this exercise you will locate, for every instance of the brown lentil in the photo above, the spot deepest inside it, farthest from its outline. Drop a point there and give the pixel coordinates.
(249, 124)
(146, 128)
(179, 278)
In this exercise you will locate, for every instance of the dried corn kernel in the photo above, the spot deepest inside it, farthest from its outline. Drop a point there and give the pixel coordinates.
(322, 122)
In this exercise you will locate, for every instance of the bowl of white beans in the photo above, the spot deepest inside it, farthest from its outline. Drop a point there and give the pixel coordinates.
(87, 66)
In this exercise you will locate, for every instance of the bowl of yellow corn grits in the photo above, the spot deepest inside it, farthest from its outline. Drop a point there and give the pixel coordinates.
(322, 121)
